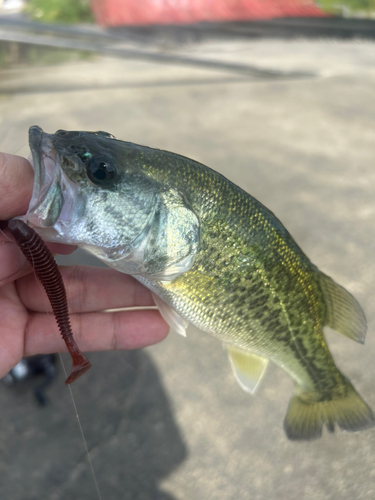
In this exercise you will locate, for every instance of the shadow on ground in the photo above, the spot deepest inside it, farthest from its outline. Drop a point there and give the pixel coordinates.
(130, 431)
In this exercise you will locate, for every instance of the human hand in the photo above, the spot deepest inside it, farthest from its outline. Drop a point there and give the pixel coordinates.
(27, 324)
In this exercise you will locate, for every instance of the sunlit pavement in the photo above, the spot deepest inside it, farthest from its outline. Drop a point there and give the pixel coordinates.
(170, 422)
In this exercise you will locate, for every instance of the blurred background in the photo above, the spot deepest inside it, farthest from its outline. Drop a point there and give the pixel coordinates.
(277, 95)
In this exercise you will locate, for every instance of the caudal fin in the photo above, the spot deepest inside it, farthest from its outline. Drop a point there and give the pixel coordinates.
(305, 418)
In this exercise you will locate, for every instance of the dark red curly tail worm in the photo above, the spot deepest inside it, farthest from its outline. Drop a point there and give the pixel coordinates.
(40, 257)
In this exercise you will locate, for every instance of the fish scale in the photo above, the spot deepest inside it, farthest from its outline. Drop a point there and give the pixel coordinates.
(213, 255)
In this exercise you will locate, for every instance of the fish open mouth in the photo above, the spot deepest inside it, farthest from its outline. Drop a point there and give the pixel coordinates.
(46, 200)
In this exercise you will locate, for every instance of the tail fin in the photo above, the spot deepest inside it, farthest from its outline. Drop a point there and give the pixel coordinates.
(305, 418)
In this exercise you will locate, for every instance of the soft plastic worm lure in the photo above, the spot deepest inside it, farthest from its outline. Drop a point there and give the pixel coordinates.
(46, 269)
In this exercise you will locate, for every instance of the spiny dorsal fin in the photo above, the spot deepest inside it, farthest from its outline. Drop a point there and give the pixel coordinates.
(248, 368)
(344, 314)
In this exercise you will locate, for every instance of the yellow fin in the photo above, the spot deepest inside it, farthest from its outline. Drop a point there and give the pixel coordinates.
(305, 416)
(248, 368)
(344, 314)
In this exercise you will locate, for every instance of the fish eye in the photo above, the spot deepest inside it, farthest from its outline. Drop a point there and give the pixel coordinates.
(100, 172)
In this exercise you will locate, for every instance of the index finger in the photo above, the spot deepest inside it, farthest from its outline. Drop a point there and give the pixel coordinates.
(16, 185)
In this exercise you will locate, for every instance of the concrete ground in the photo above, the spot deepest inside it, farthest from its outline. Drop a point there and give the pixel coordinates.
(170, 422)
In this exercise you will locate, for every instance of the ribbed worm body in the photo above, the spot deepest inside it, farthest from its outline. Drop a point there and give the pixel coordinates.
(46, 269)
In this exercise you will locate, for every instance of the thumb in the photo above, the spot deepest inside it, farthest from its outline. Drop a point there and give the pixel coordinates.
(16, 185)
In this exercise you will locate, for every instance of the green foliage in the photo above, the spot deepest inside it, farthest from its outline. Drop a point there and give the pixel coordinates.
(60, 11)
(350, 6)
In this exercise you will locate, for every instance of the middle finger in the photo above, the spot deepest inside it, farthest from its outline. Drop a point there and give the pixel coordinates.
(89, 289)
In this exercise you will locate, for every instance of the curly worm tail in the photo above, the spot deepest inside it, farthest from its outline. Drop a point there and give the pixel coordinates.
(46, 269)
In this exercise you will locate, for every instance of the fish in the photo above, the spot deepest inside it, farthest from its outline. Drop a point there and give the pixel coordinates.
(212, 255)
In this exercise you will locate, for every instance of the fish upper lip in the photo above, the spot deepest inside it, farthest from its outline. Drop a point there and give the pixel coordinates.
(44, 162)
(35, 136)
(35, 139)
(40, 147)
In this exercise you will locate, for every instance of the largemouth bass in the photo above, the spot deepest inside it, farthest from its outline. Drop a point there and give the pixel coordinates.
(212, 255)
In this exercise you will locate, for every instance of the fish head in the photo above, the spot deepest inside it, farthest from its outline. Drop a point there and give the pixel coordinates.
(92, 190)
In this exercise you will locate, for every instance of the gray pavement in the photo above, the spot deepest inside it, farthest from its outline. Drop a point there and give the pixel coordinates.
(169, 422)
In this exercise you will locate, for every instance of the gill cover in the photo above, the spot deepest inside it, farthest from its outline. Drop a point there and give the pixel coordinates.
(169, 243)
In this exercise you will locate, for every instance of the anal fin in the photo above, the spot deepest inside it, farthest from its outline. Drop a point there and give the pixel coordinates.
(172, 317)
(248, 368)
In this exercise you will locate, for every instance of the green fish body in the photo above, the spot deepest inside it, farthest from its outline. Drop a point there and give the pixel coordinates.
(213, 256)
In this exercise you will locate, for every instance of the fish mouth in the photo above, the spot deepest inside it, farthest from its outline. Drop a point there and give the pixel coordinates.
(47, 198)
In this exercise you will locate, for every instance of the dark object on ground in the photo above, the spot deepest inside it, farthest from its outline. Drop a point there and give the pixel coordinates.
(31, 367)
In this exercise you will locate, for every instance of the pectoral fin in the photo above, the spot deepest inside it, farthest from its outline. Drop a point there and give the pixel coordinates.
(248, 368)
(173, 319)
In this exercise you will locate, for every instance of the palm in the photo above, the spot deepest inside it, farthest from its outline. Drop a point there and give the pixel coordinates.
(13, 325)
(28, 326)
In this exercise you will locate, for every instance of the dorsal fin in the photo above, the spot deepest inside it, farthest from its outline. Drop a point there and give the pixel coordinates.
(344, 314)
(248, 368)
